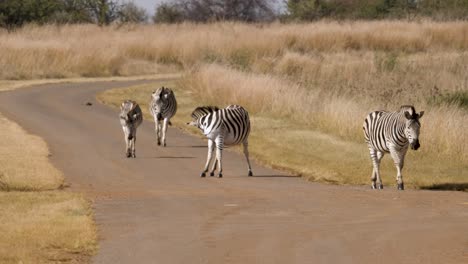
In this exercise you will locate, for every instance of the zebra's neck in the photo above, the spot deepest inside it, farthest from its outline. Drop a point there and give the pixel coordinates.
(400, 128)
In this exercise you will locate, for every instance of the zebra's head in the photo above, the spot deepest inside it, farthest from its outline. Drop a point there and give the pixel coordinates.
(199, 123)
(160, 97)
(412, 126)
(127, 114)
(199, 116)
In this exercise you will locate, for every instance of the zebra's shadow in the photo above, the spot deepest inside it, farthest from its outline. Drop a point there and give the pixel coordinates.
(447, 187)
(275, 176)
(167, 157)
(186, 146)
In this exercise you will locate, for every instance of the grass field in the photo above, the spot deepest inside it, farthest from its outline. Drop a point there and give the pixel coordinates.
(46, 227)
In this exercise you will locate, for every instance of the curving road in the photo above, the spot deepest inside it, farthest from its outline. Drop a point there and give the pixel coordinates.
(155, 208)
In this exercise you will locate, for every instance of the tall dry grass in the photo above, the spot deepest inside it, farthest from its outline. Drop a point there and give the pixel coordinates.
(87, 50)
(24, 164)
(332, 109)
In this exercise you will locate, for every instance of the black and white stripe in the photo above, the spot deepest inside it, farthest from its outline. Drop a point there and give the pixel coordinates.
(163, 107)
(228, 126)
(391, 132)
(130, 118)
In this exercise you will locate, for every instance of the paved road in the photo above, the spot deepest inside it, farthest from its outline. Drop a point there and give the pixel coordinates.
(155, 208)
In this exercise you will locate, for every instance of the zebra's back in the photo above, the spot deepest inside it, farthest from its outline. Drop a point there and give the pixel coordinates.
(237, 124)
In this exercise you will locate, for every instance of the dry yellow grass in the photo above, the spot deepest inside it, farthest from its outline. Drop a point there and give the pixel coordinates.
(45, 227)
(87, 50)
(7, 85)
(40, 224)
(444, 131)
(24, 161)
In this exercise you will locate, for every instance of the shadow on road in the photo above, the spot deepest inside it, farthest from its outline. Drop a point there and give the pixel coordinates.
(276, 176)
(447, 187)
(167, 157)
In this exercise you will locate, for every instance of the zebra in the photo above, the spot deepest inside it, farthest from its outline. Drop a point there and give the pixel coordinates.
(163, 107)
(391, 132)
(228, 126)
(130, 118)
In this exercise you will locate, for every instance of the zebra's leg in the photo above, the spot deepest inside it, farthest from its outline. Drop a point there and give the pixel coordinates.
(246, 153)
(219, 154)
(156, 129)
(127, 141)
(213, 168)
(399, 160)
(128, 153)
(376, 156)
(377, 172)
(164, 130)
(133, 144)
(208, 158)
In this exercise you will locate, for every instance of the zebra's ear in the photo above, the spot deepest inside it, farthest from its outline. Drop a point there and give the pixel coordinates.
(408, 115)
(421, 114)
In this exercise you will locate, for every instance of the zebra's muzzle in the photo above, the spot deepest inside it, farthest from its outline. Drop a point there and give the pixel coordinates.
(415, 145)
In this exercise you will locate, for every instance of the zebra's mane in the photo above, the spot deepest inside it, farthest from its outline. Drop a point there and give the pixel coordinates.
(162, 90)
(128, 105)
(203, 111)
(410, 109)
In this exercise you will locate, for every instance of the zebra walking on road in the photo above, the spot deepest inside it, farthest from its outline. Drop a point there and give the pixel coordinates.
(130, 118)
(391, 132)
(163, 107)
(228, 126)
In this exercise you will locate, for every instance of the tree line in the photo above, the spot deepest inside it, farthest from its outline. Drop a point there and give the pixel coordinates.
(15, 13)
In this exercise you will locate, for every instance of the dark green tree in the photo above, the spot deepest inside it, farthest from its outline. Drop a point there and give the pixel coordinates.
(103, 12)
(131, 13)
(15, 13)
(215, 10)
(167, 13)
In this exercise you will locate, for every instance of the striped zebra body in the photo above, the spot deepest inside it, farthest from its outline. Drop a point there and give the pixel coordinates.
(163, 107)
(391, 132)
(130, 118)
(222, 127)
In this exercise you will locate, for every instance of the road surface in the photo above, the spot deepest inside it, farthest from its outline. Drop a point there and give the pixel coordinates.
(156, 209)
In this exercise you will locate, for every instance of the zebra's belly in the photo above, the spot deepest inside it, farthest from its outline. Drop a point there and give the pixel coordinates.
(227, 139)
(381, 148)
(230, 139)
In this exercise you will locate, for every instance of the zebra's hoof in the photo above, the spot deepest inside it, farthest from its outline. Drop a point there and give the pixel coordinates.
(250, 173)
(128, 155)
(373, 186)
(212, 174)
(401, 186)
(164, 145)
(159, 143)
(202, 175)
(380, 186)
(220, 175)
